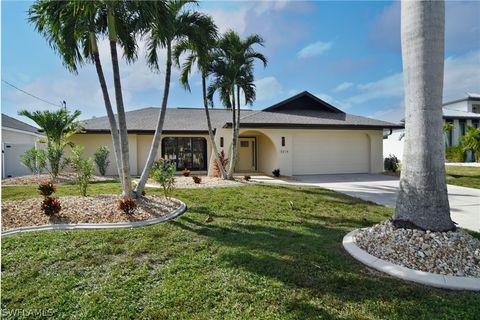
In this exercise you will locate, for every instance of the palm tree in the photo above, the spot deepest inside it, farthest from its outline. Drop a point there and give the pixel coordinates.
(199, 51)
(232, 69)
(59, 126)
(447, 129)
(422, 199)
(178, 25)
(71, 28)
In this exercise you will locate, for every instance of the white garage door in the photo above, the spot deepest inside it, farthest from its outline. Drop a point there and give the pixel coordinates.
(330, 152)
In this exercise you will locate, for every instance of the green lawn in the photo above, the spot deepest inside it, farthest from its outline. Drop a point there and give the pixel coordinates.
(260, 258)
(464, 176)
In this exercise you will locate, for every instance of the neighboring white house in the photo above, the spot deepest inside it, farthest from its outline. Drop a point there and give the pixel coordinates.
(300, 135)
(460, 113)
(17, 137)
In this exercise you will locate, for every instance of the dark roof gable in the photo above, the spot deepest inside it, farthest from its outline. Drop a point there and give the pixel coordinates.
(12, 123)
(301, 102)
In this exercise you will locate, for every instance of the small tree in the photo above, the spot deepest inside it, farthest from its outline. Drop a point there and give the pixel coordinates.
(35, 160)
(84, 169)
(163, 172)
(101, 159)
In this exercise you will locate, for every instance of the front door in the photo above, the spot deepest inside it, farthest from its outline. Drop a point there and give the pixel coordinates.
(246, 155)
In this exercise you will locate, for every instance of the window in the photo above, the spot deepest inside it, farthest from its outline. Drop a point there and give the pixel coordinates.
(475, 123)
(476, 108)
(283, 141)
(221, 142)
(244, 144)
(186, 152)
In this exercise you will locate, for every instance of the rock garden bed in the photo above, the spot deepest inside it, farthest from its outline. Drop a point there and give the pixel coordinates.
(64, 178)
(182, 182)
(77, 209)
(454, 253)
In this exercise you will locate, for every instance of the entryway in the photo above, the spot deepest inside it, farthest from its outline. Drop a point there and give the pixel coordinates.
(247, 155)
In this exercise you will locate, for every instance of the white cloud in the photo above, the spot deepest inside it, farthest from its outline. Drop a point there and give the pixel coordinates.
(343, 86)
(315, 49)
(343, 105)
(390, 86)
(268, 88)
(230, 19)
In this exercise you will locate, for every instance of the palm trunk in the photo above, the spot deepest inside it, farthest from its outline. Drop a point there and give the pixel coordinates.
(108, 106)
(210, 131)
(423, 200)
(122, 123)
(233, 155)
(158, 130)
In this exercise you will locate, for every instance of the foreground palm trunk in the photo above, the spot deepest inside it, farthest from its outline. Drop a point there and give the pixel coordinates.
(158, 130)
(108, 106)
(423, 200)
(233, 155)
(223, 173)
(122, 123)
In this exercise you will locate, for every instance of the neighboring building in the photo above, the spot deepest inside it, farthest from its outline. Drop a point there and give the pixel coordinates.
(460, 113)
(17, 137)
(300, 135)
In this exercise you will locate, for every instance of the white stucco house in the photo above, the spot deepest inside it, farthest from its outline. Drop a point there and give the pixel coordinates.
(461, 113)
(17, 137)
(300, 135)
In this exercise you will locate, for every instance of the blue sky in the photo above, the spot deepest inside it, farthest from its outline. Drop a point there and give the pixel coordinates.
(347, 53)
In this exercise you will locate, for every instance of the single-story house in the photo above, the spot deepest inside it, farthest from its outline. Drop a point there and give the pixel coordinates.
(300, 135)
(17, 137)
(461, 113)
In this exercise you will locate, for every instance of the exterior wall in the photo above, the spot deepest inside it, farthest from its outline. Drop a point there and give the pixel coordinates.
(269, 140)
(394, 145)
(17, 137)
(139, 147)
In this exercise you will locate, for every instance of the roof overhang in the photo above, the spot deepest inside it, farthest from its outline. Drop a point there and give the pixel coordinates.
(146, 132)
(313, 126)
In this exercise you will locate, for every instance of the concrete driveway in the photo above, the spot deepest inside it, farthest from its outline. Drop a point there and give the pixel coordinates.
(382, 189)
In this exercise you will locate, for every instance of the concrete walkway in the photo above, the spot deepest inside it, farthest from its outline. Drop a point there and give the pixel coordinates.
(382, 189)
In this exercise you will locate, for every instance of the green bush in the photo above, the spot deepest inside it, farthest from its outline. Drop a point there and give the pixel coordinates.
(455, 154)
(35, 160)
(101, 159)
(163, 172)
(84, 169)
(56, 160)
(391, 163)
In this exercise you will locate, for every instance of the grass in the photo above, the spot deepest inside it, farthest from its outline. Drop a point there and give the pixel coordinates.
(464, 176)
(260, 258)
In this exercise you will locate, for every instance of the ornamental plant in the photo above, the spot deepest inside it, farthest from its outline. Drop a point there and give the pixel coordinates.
(223, 160)
(185, 172)
(163, 172)
(197, 179)
(35, 160)
(84, 169)
(101, 159)
(127, 205)
(51, 206)
(46, 188)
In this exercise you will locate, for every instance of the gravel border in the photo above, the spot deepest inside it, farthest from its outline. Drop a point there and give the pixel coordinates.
(119, 225)
(422, 277)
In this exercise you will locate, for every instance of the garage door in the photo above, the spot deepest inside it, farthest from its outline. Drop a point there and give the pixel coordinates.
(330, 152)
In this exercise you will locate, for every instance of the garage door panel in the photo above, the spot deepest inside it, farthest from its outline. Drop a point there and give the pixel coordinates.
(330, 152)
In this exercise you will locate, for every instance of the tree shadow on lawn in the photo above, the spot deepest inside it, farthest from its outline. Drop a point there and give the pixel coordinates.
(309, 255)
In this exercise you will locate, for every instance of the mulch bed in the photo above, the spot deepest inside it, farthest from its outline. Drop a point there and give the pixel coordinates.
(64, 178)
(207, 182)
(77, 209)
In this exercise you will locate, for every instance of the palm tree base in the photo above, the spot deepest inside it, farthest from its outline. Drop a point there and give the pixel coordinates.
(405, 224)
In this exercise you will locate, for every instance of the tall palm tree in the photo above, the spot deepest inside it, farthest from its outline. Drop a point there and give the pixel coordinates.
(471, 142)
(176, 26)
(232, 70)
(72, 28)
(199, 51)
(423, 200)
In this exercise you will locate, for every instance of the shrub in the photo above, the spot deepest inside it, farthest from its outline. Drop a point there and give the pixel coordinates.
(163, 172)
(455, 154)
(185, 172)
(276, 173)
(247, 178)
(101, 159)
(46, 188)
(391, 163)
(35, 160)
(197, 179)
(84, 169)
(223, 161)
(127, 205)
(51, 206)
(56, 160)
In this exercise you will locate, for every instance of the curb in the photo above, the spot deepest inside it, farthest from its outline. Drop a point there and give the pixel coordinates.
(89, 226)
(422, 277)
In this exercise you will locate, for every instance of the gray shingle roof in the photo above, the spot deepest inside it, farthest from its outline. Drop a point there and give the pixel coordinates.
(12, 123)
(451, 113)
(193, 119)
